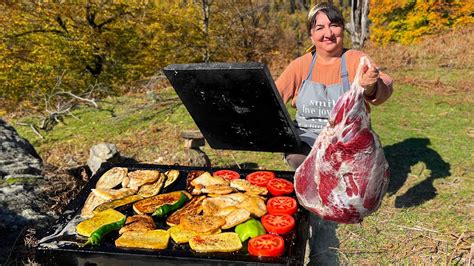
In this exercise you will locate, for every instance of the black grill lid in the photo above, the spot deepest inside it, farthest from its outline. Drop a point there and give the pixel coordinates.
(235, 105)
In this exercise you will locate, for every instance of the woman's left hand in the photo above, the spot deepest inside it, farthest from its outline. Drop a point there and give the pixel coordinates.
(369, 78)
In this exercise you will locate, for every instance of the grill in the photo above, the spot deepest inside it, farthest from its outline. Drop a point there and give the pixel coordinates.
(236, 107)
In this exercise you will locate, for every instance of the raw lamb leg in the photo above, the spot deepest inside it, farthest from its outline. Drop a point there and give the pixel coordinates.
(345, 175)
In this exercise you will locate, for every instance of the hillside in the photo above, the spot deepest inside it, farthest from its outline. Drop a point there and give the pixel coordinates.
(427, 216)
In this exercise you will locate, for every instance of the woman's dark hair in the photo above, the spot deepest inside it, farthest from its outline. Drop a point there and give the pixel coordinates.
(333, 13)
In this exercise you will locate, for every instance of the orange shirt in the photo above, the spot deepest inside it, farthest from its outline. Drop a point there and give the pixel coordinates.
(290, 80)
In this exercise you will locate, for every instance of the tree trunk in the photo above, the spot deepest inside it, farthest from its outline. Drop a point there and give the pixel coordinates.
(358, 27)
(206, 14)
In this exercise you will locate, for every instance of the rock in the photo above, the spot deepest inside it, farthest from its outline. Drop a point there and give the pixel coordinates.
(17, 156)
(104, 152)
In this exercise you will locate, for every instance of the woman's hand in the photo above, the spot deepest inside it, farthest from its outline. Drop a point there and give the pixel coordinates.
(368, 81)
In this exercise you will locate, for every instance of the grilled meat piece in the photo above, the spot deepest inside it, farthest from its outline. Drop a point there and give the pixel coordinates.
(112, 178)
(255, 205)
(212, 189)
(244, 185)
(211, 206)
(202, 224)
(139, 222)
(236, 217)
(191, 176)
(193, 207)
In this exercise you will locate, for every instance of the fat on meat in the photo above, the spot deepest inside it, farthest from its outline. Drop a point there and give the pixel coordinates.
(345, 176)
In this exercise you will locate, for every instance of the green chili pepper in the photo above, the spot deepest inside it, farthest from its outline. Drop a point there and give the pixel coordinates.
(249, 229)
(96, 237)
(169, 208)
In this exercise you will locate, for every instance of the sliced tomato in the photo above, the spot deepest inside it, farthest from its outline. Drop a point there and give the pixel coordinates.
(227, 174)
(278, 223)
(282, 205)
(280, 186)
(266, 245)
(260, 178)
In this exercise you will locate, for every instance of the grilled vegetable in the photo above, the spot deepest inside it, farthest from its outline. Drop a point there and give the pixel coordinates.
(153, 239)
(169, 208)
(193, 207)
(249, 229)
(149, 205)
(87, 227)
(223, 242)
(112, 178)
(117, 203)
(96, 236)
(171, 177)
(181, 235)
(151, 189)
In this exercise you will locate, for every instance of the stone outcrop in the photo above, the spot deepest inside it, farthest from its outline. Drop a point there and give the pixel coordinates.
(18, 158)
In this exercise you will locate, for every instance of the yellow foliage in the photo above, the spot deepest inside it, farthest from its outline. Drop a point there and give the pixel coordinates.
(406, 21)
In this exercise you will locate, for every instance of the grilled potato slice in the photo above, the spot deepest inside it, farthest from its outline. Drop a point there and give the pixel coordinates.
(112, 178)
(149, 190)
(87, 227)
(149, 205)
(223, 242)
(171, 177)
(181, 235)
(193, 207)
(153, 239)
(202, 224)
(116, 203)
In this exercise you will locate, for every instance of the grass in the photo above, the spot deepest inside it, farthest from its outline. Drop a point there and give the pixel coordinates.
(426, 128)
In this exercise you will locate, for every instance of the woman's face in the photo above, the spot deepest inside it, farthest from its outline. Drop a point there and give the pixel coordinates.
(326, 36)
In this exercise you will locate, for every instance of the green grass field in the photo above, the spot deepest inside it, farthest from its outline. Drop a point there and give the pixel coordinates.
(427, 130)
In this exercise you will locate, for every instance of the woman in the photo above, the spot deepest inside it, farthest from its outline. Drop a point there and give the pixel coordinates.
(315, 81)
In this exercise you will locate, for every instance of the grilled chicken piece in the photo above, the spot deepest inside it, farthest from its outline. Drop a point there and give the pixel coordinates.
(113, 194)
(139, 178)
(193, 207)
(239, 197)
(139, 222)
(206, 179)
(149, 190)
(212, 189)
(236, 217)
(255, 205)
(92, 201)
(202, 224)
(112, 178)
(244, 185)
(211, 206)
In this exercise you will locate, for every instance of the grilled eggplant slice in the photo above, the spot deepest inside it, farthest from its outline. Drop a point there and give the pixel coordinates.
(139, 178)
(193, 207)
(149, 205)
(149, 190)
(171, 177)
(153, 239)
(112, 178)
(113, 194)
(117, 203)
(91, 203)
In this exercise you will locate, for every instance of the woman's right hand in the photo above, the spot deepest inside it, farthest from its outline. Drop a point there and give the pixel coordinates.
(370, 76)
